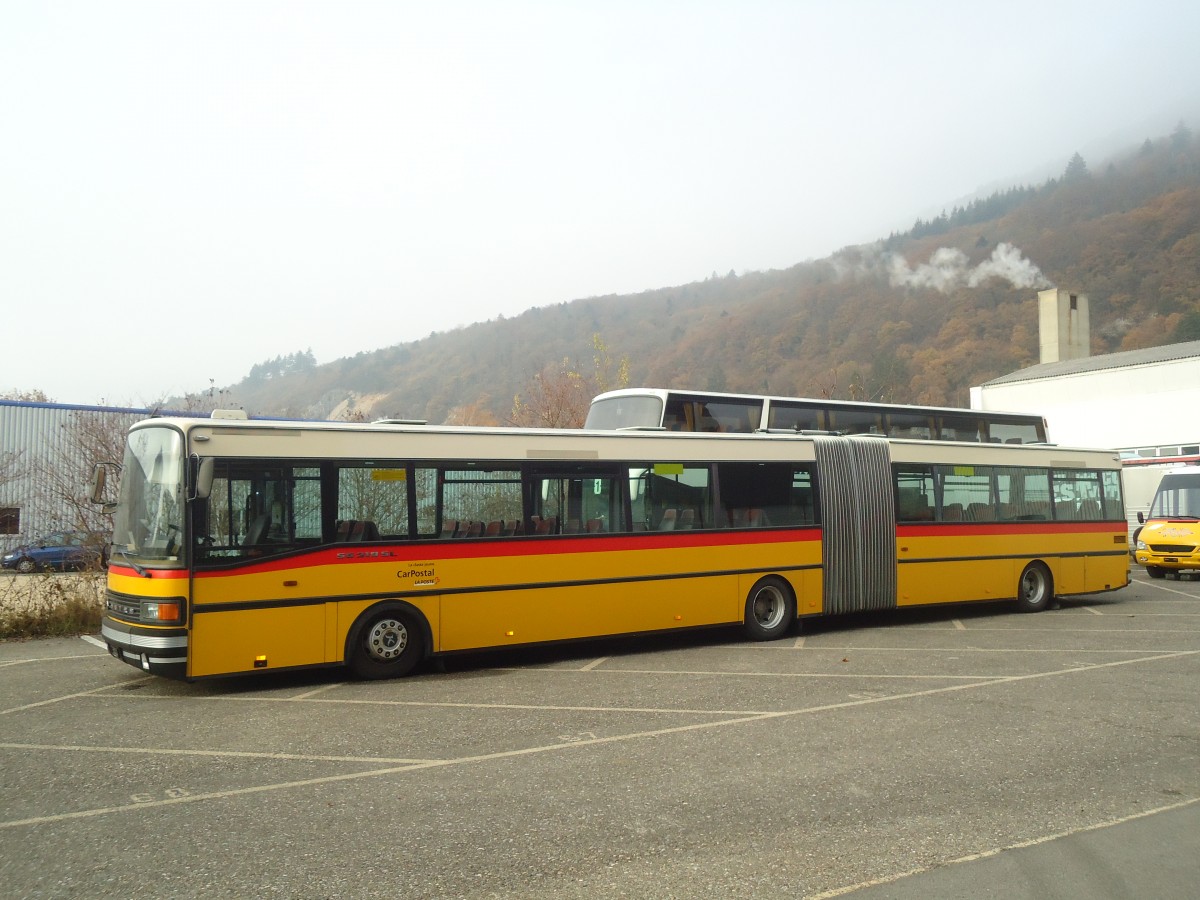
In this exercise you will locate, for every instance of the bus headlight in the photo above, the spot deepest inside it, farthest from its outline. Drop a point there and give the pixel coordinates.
(1141, 545)
(162, 612)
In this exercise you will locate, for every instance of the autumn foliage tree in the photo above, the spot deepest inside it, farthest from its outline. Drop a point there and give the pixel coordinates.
(559, 395)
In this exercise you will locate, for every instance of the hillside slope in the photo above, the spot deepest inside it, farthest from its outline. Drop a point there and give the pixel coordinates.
(919, 317)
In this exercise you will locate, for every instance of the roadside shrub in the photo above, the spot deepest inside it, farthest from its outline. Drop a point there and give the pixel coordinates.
(47, 604)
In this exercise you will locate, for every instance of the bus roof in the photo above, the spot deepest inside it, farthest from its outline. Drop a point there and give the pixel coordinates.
(318, 439)
(663, 393)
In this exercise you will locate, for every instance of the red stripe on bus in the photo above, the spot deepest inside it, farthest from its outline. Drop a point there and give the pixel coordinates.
(130, 572)
(967, 529)
(473, 548)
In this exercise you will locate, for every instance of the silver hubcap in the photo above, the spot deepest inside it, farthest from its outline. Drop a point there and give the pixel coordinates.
(387, 639)
(768, 607)
(1033, 586)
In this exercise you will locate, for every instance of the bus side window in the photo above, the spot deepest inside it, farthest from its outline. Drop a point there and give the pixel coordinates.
(256, 509)
(762, 495)
(576, 500)
(477, 496)
(915, 493)
(676, 416)
(685, 489)
(374, 493)
(968, 487)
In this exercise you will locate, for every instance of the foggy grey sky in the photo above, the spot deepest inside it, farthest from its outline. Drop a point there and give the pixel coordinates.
(189, 188)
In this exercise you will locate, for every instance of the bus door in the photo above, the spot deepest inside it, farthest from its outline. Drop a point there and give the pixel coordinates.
(858, 523)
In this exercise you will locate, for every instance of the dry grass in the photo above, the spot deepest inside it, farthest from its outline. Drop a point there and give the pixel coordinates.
(50, 604)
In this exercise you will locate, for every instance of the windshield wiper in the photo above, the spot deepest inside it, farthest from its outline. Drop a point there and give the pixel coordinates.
(124, 554)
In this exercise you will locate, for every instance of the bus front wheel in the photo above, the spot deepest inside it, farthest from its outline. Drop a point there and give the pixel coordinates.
(1156, 571)
(386, 644)
(770, 609)
(1035, 589)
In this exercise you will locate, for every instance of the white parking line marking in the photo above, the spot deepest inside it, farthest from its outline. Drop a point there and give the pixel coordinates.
(1163, 587)
(958, 625)
(594, 663)
(218, 754)
(92, 639)
(321, 690)
(93, 691)
(576, 745)
(1044, 839)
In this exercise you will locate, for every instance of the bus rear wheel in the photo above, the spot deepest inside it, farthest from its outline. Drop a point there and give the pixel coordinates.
(386, 644)
(770, 609)
(1035, 589)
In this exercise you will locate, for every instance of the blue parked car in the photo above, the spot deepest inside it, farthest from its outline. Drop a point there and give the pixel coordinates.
(60, 551)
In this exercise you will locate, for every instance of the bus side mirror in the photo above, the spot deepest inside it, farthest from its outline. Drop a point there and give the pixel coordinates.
(1141, 519)
(204, 478)
(100, 492)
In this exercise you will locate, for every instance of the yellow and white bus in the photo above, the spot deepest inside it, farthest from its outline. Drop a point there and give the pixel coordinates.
(709, 411)
(1169, 539)
(244, 546)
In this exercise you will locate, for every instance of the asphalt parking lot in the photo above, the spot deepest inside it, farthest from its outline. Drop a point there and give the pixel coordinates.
(964, 751)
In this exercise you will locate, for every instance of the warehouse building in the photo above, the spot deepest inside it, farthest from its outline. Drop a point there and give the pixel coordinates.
(47, 451)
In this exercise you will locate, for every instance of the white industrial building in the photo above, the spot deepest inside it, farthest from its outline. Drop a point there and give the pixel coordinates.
(1142, 403)
(1138, 400)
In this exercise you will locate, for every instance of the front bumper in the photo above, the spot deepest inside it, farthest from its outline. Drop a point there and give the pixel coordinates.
(159, 651)
(1172, 561)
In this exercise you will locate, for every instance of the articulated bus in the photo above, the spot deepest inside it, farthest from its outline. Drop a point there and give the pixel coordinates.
(243, 546)
(745, 413)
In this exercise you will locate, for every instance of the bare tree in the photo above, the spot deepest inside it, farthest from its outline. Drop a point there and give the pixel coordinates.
(556, 397)
(476, 413)
(63, 474)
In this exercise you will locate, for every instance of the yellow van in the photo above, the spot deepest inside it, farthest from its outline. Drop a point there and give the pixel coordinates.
(1169, 539)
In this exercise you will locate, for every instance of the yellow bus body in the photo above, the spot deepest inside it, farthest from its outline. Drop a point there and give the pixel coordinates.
(952, 563)
(509, 596)
(301, 607)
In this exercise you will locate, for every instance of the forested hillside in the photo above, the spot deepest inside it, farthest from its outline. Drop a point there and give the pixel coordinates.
(919, 317)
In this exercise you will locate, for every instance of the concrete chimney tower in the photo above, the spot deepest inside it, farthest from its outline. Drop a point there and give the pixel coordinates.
(1063, 327)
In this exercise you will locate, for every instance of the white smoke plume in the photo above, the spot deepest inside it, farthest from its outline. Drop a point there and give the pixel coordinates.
(949, 268)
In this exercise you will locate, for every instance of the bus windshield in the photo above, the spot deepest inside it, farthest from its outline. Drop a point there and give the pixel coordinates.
(1178, 497)
(148, 524)
(625, 412)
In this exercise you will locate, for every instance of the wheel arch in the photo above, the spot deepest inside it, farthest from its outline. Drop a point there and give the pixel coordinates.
(1041, 570)
(772, 584)
(392, 604)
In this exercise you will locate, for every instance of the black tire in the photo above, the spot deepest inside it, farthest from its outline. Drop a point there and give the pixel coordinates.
(1035, 590)
(1156, 571)
(26, 566)
(770, 609)
(386, 643)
